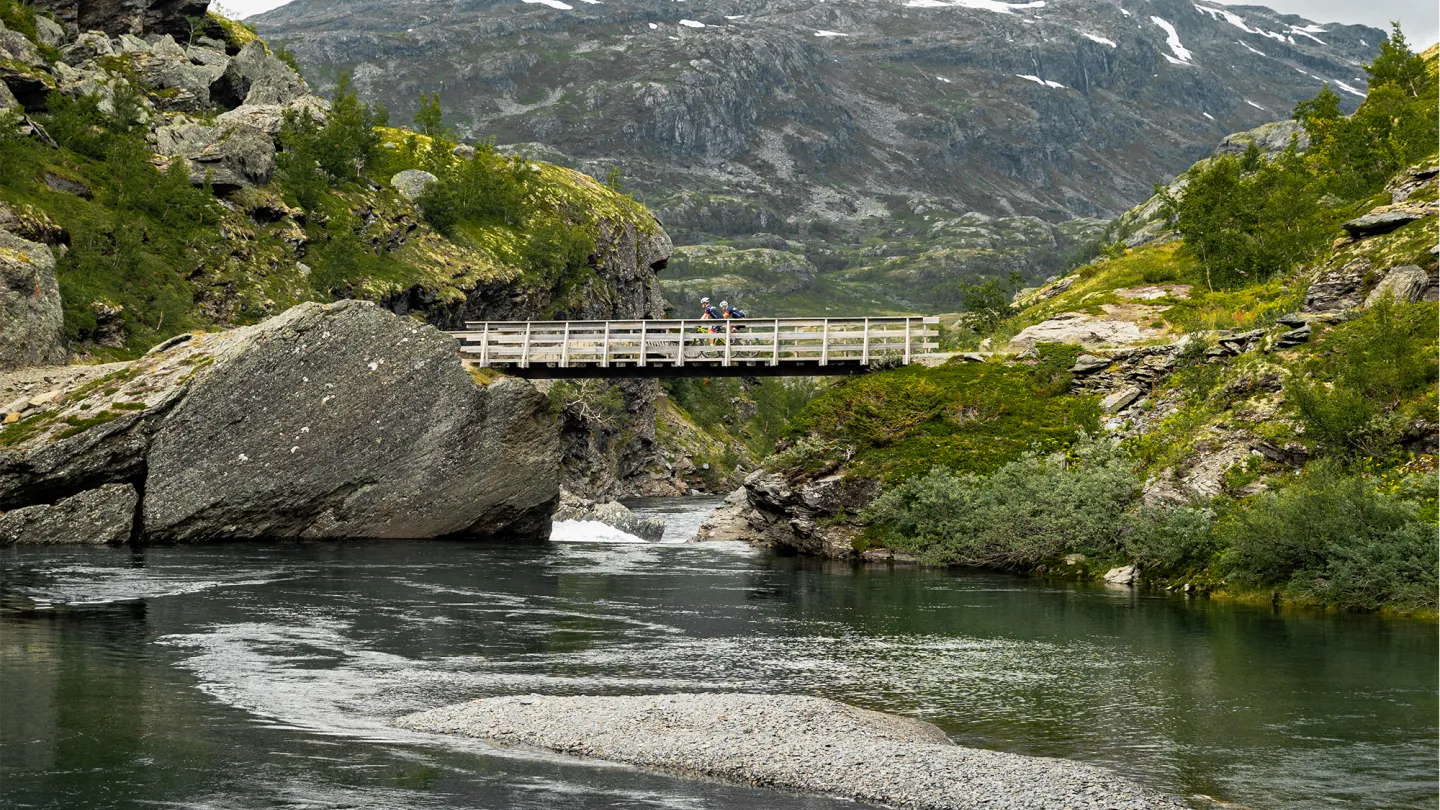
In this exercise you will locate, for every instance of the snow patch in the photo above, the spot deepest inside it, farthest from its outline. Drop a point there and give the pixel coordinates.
(692, 23)
(654, 27)
(1172, 60)
(1126, 13)
(1250, 49)
(1229, 17)
(1304, 32)
(1097, 38)
(1208, 115)
(1040, 81)
(1347, 88)
(1253, 104)
(943, 79)
(1173, 40)
(552, 4)
(736, 17)
(982, 5)
(830, 34)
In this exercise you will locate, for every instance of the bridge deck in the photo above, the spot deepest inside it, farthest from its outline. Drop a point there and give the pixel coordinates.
(687, 347)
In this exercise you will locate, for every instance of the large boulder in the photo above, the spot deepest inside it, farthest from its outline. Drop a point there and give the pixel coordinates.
(255, 76)
(612, 513)
(328, 421)
(228, 157)
(102, 515)
(32, 325)
(1402, 284)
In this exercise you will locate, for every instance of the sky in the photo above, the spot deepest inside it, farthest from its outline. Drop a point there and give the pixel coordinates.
(1419, 18)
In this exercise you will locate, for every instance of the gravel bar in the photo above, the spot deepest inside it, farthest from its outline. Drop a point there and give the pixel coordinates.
(791, 742)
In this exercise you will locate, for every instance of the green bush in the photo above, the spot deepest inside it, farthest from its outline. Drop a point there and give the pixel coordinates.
(1026, 512)
(1349, 396)
(1339, 539)
(487, 189)
(1170, 540)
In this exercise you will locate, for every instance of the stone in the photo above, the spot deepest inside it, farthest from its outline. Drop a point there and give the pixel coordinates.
(7, 98)
(611, 513)
(229, 158)
(68, 185)
(1082, 329)
(1272, 139)
(256, 77)
(98, 516)
(29, 86)
(463, 151)
(1120, 400)
(1403, 284)
(1336, 289)
(88, 46)
(411, 183)
(1376, 223)
(48, 32)
(32, 323)
(268, 118)
(1089, 363)
(1294, 337)
(1124, 575)
(327, 421)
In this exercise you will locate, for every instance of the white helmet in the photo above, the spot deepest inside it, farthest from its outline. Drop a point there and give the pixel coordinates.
(724, 304)
(705, 300)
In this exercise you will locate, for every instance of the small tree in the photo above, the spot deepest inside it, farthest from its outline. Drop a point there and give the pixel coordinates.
(430, 118)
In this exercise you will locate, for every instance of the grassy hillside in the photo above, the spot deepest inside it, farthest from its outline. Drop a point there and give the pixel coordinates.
(1270, 422)
(145, 253)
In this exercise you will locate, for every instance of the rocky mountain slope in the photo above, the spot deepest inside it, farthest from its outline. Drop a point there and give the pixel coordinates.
(1256, 358)
(876, 138)
(168, 172)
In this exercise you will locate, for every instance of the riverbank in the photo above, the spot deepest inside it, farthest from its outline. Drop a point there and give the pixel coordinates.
(790, 742)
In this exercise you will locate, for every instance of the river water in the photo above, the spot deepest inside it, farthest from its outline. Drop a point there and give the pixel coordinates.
(260, 676)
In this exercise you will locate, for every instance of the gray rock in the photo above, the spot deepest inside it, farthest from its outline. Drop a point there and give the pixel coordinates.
(1403, 284)
(1124, 575)
(32, 327)
(16, 47)
(1082, 329)
(97, 516)
(1294, 337)
(611, 513)
(1089, 363)
(346, 421)
(268, 118)
(89, 45)
(256, 77)
(229, 157)
(48, 32)
(1336, 289)
(1120, 400)
(326, 421)
(411, 183)
(1374, 224)
(7, 98)
(141, 18)
(1272, 139)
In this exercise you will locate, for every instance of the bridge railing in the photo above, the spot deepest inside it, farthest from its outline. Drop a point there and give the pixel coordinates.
(677, 343)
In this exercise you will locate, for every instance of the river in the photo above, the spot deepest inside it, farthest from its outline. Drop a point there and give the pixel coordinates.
(264, 675)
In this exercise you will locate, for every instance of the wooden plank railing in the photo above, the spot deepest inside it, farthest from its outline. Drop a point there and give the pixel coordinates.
(820, 342)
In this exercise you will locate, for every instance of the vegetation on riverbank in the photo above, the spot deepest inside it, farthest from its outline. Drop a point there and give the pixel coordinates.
(1301, 469)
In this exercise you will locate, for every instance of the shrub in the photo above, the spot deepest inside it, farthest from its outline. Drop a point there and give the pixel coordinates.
(1028, 511)
(1365, 370)
(1170, 540)
(1338, 539)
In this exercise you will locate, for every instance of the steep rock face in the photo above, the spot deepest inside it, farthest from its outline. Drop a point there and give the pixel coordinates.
(840, 110)
(32, 328)
(97, 516)
(137, 17)
(329, 421)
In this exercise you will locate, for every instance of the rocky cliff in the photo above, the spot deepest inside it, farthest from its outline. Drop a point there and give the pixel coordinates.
(329, 421)
(242, 219)
(901, 146)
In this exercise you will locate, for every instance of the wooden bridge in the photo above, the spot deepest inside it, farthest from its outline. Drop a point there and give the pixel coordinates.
(753, 347)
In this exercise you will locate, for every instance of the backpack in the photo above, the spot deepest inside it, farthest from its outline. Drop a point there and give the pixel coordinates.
(736, 313)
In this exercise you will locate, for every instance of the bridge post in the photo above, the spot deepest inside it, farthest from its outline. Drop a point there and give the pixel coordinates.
(680, 352)
(907, 341)
(642, 344)
(485, 345)
(825, 344)
(565, 347)
(605, 351)
(865, 347)
(727, 344)
(775, 351)
(525, 349)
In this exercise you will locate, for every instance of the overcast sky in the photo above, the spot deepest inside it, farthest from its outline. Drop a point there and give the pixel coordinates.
(1420, 18)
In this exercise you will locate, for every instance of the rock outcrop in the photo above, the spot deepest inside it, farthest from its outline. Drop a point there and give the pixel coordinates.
(612, 513)
(329, 421)
(32, 324)
(102, 515)
(180, 18)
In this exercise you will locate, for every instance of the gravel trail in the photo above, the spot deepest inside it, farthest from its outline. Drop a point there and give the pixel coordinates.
(791, 742)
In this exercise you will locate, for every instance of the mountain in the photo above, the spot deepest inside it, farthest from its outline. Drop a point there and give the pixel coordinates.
(881, 140)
